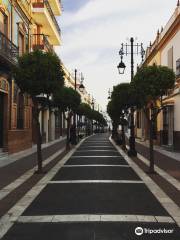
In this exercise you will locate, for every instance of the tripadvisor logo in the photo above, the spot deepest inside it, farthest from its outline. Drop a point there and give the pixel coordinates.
(139, 231)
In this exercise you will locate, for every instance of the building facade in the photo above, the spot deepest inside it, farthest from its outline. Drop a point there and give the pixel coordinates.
(165, 51)
(25, 25)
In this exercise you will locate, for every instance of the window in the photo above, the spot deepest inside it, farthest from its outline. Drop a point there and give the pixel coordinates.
(4, 23)
(178, 68)
(21, 43)
(170, 58)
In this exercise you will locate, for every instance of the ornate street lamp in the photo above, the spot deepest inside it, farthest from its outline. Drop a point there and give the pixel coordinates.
(81, 86)
(109, 93)
(121, 66)
(92, 103)
(134, 49)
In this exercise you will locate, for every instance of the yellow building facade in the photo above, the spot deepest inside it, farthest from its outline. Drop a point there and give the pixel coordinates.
(165, 51)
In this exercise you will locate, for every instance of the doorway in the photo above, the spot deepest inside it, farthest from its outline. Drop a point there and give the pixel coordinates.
(1, 118)
(168, 125)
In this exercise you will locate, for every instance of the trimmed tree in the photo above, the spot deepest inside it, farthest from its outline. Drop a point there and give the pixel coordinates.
(85, 110)
(122, 99)
(115, 117)
(149, 85)
(37, 74)
(67, 100)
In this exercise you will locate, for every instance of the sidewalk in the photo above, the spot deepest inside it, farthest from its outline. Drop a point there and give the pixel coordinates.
(160, 149)
(17, 177)
(168, 161)
(23, 161)
(166, 167)
(10, 158)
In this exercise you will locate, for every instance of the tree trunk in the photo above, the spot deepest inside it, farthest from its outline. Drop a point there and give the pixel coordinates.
(39, 137)
(123, 138)
(114, 131)
(151, 147)
(68, 133)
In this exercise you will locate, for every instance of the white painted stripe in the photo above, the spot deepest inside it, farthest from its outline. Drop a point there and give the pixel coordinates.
(171, 207)
(97, 146)
(96, 156)
(94, 218)
(97, 151)
(7, 221)
(96, 181)
(96, 165)
(97, 141)
(9, 188)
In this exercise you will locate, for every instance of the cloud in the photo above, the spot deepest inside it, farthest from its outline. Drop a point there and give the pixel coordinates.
(92, 36)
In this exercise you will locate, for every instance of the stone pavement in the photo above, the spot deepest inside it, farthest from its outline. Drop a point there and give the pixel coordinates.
(94, 193)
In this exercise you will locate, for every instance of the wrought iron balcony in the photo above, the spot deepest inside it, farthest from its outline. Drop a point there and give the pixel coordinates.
(52, 16)
(8, 50)
(40, 41)
(45, 3)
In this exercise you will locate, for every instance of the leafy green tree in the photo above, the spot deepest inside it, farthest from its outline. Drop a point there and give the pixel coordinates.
(85, 110)
(149, 85)
(122, 99)
(37, 74)
(99, 118)
(115, 117)
(67, 100)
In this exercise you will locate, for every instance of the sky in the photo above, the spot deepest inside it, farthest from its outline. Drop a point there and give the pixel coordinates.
(92, 33)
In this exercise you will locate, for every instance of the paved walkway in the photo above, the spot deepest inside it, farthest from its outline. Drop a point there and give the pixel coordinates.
(172, 154)
(162, 160)
(95, 193)
(24, 162)
(7, 159)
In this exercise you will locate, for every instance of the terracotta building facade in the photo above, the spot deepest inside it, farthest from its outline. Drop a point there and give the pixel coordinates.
(25, 25)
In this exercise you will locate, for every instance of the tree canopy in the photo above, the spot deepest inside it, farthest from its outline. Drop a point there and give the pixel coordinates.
(67, 99)
(122, 97)
(84, 110)
(151, 83)
(38, 73)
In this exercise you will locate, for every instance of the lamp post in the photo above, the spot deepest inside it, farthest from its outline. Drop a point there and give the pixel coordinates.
(109, 94)
(74, 137)
(131, 49)
(81, 88)
(92, 103)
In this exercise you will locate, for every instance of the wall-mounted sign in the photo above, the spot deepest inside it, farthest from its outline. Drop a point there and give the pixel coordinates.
(4, 86)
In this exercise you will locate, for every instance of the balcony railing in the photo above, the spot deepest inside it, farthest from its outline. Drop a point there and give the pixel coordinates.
(8, 50)
(40, 41)
(42, 3)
